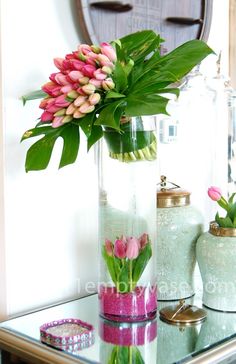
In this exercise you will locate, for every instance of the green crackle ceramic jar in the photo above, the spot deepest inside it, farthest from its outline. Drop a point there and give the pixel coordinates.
(216, 256)
(179, 224)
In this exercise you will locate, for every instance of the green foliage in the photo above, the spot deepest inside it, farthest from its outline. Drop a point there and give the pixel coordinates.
(125, 354)
(229, 221)
(38, 94)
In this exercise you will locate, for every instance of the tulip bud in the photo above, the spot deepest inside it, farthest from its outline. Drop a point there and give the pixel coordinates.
(86, 108)
(84, 48)
(120, 249)
(80, 100)
(73, 94)
(214, 193)
(67, 119)
(94, 98)
(109, 247)
(66, 89)
(61, 101)
(95, 48)
(83, 80)
(81, 57)
(77, 114)
(108, 84)
(96, 83)
(75, 75)
(143, 240)
(107, 70)
(46, 116)
(88, 70)
(109, 51)
(71, 109)
(132, 248)
(99, 75)
(61, 79)
(60, 112)
(59, 63)
(57, 121)
(89, 89)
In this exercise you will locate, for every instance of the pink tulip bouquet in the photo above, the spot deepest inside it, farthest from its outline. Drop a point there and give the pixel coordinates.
(126, 260)
(96, 88)
(229, 221)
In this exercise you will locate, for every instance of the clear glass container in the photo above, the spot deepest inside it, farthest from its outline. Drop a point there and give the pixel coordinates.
(128, 342)
(127, 285)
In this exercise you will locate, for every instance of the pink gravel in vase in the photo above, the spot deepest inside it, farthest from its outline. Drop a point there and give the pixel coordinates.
(139, 305)
(123, 335)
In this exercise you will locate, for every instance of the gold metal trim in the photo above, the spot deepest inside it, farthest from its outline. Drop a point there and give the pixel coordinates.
(174, 201)
(217, 230)
(34, 352)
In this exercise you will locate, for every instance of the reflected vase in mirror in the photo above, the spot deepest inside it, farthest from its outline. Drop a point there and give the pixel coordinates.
(127, 342)
(127, 288)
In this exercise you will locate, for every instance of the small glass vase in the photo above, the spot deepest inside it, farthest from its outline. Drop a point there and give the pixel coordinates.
(216, 256)
(128, 342)
(127, 285)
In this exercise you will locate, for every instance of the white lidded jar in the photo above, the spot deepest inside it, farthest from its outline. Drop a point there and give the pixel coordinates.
(179, 224)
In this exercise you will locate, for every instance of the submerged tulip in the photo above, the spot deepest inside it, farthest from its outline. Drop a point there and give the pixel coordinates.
(109, 247)
(120, 249)
(132, 248)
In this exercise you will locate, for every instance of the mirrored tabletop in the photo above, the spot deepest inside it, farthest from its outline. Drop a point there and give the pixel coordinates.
(156, 342)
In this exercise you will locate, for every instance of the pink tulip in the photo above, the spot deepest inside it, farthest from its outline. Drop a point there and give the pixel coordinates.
(57, 121)
(109, 247)
(61, 79)
(99, 75)
(52, 89)
(46, 116)
(105, 61)
(88, 89)
(59, 63)
(81, 91)
(80, 100)
(45, 102)
(75, 75)
(86, 108)
(143, 240)
(84, 48)
(77, 114)
(109, 51)
(214, 193)
(52, 108)
(94, 98)
(66, 89)
(96, 83)
(71, 109)
(89, 70)
(52, 77)
(66, 65)
(120, 249)
(132, 248)
(76, 64)
(61, 101)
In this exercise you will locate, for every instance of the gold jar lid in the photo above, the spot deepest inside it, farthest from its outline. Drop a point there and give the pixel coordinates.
(171, 195)
(217, 230)
(183, 314)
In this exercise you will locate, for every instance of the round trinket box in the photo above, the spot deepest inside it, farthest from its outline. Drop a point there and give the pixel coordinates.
(67, 334)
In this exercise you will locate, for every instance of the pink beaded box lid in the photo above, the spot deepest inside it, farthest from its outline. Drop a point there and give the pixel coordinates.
(67, 332)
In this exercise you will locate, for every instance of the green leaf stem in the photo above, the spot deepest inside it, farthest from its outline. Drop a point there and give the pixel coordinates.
(38, 94)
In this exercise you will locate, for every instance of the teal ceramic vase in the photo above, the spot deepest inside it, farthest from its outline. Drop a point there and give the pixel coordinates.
(216, 256)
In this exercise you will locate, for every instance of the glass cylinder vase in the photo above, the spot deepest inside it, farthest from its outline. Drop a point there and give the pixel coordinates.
(127, 285)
